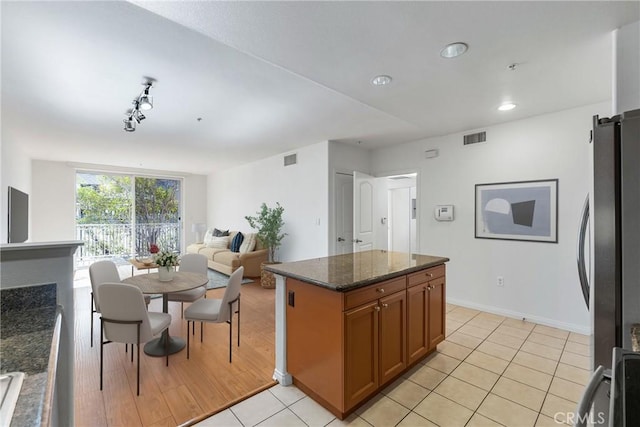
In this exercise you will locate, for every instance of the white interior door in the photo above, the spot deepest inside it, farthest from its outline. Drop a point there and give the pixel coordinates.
(363, 211)
(344, 213)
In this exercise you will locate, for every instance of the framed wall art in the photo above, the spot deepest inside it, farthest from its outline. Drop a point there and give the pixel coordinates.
(525, 210)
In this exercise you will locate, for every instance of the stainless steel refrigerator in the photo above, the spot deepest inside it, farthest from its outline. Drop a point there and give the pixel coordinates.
(613, 295)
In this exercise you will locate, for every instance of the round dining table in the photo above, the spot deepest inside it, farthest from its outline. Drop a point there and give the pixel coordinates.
(151, 284)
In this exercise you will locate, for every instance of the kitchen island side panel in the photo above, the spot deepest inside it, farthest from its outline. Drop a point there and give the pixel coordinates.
(315, 354)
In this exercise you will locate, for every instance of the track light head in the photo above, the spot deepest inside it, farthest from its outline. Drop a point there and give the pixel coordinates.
(146, 101)
(129, 124)
(139, 116)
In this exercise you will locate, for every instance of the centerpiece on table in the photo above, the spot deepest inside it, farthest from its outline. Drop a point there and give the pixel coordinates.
(166, 262)
(268, 221)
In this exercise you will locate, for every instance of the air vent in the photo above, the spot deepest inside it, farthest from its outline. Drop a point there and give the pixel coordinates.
(291, 159)
(475, 138)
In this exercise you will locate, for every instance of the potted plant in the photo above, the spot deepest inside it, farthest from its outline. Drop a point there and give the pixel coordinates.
(268, 222)
(166, 262)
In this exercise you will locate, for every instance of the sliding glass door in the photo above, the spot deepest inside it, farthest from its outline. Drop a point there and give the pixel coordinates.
(120, 216)
(157, 214)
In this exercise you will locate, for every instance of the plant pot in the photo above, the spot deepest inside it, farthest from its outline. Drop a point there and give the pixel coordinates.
(267, 278)
(165, 274)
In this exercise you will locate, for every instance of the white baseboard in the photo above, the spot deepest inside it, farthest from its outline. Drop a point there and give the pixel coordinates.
(284, 379)
(572, 327)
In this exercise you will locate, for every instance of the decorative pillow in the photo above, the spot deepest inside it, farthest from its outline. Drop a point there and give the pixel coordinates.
(236, 242)
(219, 242)
(207, 236)
(249, 243)
(220, 233)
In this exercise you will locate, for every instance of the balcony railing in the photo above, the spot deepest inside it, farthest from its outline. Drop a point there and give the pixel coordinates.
(107, 241)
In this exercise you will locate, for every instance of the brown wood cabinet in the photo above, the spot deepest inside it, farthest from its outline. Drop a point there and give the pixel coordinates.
(425, 312)
(361, 352)
(343, 347)
(436, 292)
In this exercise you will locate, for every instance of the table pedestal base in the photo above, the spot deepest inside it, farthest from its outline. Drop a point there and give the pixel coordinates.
(156, 347)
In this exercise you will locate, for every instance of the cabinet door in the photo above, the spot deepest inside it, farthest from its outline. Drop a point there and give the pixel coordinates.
(436, 324)
(393, 345)
(417, 332)
(361, 353)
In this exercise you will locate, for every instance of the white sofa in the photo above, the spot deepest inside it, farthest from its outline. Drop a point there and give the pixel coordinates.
(225, 261)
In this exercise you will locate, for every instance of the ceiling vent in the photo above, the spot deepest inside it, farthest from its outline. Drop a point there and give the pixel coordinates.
(474, 138)
(291, 159)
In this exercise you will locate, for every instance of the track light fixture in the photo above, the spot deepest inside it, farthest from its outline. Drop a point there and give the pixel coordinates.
(144, 101)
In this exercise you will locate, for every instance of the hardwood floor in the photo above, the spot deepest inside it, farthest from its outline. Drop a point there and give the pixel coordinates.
(186, 390)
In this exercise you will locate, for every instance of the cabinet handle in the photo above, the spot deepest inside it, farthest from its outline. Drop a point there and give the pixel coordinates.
(429, 274)
(385, 305)
(376, 308)
(429, 288)
(381, 290)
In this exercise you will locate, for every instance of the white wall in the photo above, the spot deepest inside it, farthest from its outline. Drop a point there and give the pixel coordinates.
(53, 200)
(16, 172)
(195, 205)
(627, 60)
(301, 189)
(53, 203)
(540, 279)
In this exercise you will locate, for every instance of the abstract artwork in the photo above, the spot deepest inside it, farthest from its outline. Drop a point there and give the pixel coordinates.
(526, 210)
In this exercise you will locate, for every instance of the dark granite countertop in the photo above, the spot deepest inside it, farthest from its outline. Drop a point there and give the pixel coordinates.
(27, 317)
(350, 271)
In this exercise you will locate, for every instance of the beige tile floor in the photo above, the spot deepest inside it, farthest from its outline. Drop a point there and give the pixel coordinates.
(490, 371)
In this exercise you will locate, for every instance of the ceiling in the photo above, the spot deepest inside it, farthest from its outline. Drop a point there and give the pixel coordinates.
(269, 77)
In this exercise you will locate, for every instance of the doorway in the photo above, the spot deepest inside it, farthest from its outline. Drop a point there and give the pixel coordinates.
(402, 213)
(388, 208)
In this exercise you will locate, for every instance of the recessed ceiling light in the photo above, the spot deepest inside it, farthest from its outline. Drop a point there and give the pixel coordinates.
(381, 80)
(507, 106)
(453, 50)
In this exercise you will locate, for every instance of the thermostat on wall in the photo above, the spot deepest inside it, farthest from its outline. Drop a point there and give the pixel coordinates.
(443, 213)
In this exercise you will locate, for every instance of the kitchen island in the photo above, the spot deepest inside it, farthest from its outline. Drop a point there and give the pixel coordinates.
(348, 325)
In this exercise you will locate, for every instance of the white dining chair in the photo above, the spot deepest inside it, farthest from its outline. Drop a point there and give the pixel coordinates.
(218, 310)
(125, 319)
(191, 263)
(102, 272)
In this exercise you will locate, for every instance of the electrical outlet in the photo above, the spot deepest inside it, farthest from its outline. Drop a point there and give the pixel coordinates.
(500, 281)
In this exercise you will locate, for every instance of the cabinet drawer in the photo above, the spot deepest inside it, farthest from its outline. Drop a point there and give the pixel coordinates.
(425, 275)
(373, 292)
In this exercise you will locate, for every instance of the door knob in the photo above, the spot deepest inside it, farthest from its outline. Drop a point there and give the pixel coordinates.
(357, 241)
(340, 239)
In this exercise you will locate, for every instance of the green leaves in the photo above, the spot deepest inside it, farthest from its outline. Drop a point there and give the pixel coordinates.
(268, 222)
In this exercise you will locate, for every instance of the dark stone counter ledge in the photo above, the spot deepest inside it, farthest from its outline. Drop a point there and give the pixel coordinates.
(342, 273)
(28, 317)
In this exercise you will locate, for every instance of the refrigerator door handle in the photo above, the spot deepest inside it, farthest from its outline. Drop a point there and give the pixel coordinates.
(584, 406)
(582, 270)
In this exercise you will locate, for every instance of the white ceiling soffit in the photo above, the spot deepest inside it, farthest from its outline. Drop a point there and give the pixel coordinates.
(268, 77)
